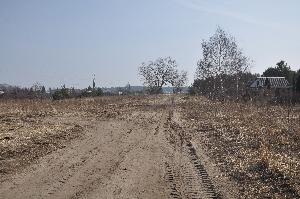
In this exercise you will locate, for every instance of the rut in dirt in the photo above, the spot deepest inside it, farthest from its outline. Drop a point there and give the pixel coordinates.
(187, 177)
(190, 179)
(171, 179)
(202, 173)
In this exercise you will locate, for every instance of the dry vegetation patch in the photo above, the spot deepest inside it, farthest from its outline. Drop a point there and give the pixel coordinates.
(28, 132)
(258, 146)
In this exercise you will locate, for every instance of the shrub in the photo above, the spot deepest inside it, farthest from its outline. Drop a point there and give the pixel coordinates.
(61, 94)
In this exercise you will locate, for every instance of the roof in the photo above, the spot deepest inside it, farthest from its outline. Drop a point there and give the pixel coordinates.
(275, 82)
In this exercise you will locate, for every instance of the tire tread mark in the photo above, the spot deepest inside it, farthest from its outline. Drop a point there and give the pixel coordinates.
(202, 173)
(171, 179)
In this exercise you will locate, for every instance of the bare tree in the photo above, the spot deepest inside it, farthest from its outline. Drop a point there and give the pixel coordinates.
(37, 87)
(221, 56)
(179, 81)
(161, 72)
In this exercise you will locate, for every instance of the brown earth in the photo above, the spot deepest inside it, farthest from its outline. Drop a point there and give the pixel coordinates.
(112, 147)
(119, 148)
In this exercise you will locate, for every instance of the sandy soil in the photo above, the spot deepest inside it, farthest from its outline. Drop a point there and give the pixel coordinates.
(141, 153)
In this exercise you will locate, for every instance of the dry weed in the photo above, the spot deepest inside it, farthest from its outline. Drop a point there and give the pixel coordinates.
(257, 145)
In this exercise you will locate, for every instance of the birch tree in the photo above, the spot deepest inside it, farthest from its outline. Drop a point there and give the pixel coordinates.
(221, 56)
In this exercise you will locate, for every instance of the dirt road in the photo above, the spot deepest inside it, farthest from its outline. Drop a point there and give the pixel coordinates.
(144, 155)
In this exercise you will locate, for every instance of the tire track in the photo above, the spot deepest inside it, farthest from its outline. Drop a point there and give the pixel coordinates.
(201, 172)
(187, 178)
(170, 177)
(193, 180)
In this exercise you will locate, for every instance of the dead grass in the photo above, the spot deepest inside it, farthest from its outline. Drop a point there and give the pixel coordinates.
(257, 145)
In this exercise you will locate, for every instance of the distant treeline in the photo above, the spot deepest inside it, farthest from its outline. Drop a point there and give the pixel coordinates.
(37, 91)
(212, 85)
(14, 92)
(223, 72)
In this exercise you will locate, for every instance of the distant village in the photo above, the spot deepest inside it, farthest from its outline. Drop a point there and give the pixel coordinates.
(258, 88)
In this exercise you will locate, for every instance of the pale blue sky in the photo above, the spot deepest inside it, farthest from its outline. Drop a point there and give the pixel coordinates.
(59, 42)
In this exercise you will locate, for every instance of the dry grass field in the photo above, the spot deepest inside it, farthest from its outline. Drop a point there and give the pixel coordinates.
(257, 146)
(148, 147)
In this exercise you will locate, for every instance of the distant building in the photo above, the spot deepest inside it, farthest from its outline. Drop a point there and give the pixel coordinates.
(270, 87)
(270, 82)
(1, 92)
